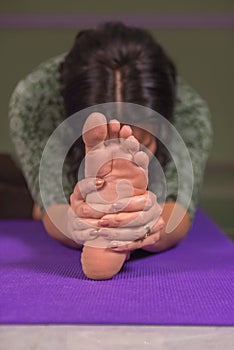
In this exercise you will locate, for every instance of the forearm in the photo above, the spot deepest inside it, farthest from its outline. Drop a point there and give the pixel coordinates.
(168, 240)
(55, 223)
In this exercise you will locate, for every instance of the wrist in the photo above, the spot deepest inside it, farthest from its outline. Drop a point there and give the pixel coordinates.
(170, 238)
(55, 220)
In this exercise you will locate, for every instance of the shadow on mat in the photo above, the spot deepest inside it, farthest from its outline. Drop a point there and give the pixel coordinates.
(32, 250)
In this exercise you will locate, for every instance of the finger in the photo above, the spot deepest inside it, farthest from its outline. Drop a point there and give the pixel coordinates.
(130, 233)
(121, 234)
(122, 246)
(70, 218)
(158, 225)
(83, 224)
(71, 213)
(83, 210)
(131, 219)
(126, 205)
(86, 186)
(80, 230)
(141, 243)
(96, 210)
(84, 235)
(152, 239)
(72, 202)
(133, 204)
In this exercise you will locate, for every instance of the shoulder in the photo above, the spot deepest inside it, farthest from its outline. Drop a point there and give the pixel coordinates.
(187, 97)
(42, 81)
(36, 104)
(192, 115)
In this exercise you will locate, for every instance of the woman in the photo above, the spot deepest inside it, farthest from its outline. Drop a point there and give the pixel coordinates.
(110, 63)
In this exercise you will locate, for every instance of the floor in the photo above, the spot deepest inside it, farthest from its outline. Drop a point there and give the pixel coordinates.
(217, 199)
(115, 337)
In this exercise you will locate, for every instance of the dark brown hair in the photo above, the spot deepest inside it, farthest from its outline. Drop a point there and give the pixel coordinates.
(88, 74)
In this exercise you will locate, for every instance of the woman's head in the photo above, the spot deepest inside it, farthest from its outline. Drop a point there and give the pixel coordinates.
(118, 63)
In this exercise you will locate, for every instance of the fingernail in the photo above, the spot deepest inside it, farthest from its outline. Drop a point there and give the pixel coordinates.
(115, 207)
(103, 223)
(103, 233)
(94, 233)
(114, 245)
(99, 182)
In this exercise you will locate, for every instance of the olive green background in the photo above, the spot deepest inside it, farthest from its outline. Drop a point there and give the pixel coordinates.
(204, 57)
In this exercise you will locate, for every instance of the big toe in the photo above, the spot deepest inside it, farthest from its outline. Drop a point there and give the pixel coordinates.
(94, 130)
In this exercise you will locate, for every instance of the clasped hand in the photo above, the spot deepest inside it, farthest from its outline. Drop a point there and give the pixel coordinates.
(121, 216)
(120, 222)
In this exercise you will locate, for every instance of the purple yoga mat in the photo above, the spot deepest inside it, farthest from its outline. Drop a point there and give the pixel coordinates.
(42, 281)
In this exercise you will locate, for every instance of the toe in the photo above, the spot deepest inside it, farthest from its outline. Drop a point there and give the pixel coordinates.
(125, 132)
(141, 159)
(114, 128)
(94, 130)
(130, 144)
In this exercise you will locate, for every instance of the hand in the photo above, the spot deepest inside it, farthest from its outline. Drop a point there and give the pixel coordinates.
(79, 213)
(151, 240)
(88, 222)
(140, 219)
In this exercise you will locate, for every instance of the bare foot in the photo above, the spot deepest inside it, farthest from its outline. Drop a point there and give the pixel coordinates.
(125, 171)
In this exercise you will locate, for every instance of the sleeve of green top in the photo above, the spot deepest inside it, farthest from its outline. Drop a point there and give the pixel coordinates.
(35, 110)
(192, 120)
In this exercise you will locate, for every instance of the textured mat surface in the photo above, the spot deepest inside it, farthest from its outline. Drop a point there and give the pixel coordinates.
(41, 281)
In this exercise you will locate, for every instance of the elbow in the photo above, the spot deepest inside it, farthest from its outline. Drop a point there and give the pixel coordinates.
(54, 232)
